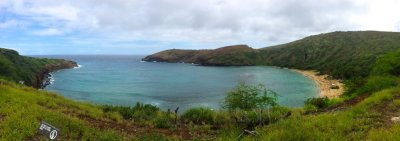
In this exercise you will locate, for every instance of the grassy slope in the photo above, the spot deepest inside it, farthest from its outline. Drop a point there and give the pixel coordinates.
(22, 108)
(367, 120)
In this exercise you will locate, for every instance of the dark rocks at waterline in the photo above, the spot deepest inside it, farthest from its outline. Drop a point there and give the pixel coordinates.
(44, 76)
(46, 81)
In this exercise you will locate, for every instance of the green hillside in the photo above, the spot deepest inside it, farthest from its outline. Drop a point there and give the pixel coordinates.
(224, 56)
(17, 68)
(341, 54)
(369, 110)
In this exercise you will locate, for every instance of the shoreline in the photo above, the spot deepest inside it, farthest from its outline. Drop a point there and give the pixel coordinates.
(323, 84)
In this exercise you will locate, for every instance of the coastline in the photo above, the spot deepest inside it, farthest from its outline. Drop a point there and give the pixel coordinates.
(44, 76)
(323, 84)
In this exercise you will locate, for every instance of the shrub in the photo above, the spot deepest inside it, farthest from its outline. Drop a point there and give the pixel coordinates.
(145, 111)
(396, 102)
(388, 64)
(310, 108)
(377, 83)
(114, 116)
(139, 112)
(199, 115)
(162, 121)
(247, 97)
(319, 103)
(221, 118)
(253, 118)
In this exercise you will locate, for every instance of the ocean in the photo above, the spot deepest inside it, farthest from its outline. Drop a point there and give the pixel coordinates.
(125, 80)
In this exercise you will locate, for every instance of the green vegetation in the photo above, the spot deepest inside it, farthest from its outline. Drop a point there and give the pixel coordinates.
(247, 97)
(342, 55)
(138, 112)
(368, 62)
(199, 115)
(14, 67)
(23, 108)
(315, 104)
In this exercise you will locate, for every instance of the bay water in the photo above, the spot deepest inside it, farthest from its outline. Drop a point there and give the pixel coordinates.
(125, 80)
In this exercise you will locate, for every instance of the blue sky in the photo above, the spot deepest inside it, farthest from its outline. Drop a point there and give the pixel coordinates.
(42, 27)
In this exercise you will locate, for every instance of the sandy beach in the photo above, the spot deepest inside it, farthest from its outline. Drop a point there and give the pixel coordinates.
(324, 84)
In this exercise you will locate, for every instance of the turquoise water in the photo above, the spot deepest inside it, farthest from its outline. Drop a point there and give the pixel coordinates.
(125, 80)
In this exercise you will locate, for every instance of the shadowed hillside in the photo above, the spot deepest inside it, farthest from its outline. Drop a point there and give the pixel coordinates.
(232, 56)
(28, 69)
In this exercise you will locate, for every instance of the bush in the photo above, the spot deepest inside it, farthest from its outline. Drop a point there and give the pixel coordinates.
(310, 108)
(247, 97)
(260, 117)
(139, 112)
(221, 118)
(319, 103)
(388, 64)
(199, 115)
(163, 121)
(377, 83)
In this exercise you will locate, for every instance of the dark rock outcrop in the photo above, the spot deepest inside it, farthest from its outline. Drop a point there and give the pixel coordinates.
(42, 75)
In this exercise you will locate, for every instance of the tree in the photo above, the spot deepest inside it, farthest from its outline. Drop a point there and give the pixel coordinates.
(248, 97)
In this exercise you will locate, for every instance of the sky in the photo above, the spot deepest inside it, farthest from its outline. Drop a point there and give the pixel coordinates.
(42, 27)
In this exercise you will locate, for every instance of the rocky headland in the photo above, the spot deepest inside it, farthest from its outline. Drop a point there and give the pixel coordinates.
(224, 56)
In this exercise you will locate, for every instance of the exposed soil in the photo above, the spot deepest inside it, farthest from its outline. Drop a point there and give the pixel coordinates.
(386, 111)
(346, 104)
(2, 118)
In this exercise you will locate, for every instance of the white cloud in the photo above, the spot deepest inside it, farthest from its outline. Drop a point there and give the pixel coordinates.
(47, 32)
(212, 22)
(8, 24)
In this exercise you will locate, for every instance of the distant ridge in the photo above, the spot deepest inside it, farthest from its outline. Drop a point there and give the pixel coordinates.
(340, 54)
(203, 57)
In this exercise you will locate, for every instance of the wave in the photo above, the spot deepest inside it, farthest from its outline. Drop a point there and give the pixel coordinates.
(79, 66)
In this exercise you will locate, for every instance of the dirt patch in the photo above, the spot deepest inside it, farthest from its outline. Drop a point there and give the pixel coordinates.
(2, 118)
(387, 110)
(130, 128)
(346, 104)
